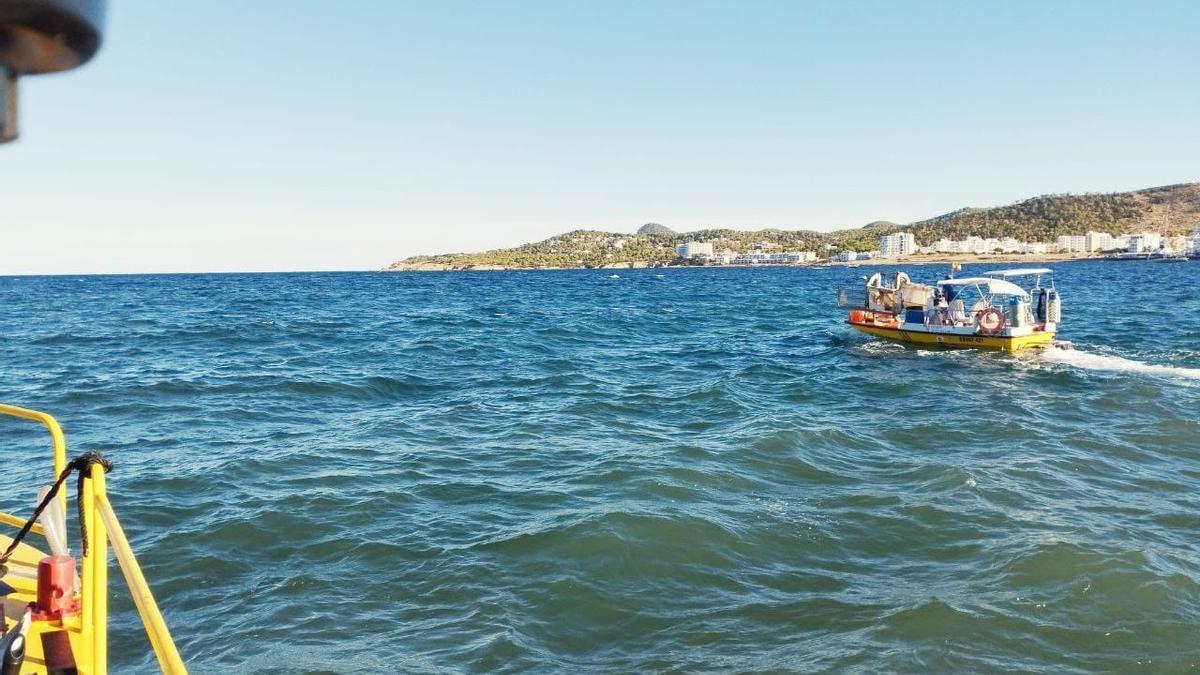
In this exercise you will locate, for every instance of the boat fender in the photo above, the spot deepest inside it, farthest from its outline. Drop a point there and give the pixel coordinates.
(990, 321)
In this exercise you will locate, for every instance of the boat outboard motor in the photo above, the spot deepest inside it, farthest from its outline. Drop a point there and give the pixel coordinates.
(43, 36)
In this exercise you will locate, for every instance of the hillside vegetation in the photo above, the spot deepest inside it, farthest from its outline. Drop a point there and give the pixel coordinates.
(1038, 219)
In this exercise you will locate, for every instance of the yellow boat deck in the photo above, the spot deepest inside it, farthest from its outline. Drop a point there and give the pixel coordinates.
(22, 579)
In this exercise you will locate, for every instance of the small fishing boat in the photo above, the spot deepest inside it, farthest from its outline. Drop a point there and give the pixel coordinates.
(989, 311)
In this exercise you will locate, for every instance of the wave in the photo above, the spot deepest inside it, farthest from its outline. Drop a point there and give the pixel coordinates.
(1093, 361)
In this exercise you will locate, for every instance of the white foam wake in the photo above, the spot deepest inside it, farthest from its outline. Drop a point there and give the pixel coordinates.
(1090, 361)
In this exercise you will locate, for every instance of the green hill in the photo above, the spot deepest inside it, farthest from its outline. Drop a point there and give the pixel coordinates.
(656, 229)
(1045, 218)
(1038, 219)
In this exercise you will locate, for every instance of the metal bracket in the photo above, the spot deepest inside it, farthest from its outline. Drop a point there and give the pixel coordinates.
(8, 104)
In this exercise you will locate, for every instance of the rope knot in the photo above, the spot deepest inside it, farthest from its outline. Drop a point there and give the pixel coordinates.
(83, 463)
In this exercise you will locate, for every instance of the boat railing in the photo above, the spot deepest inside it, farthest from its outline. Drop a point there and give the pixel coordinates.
(101, 527)
(851, 297)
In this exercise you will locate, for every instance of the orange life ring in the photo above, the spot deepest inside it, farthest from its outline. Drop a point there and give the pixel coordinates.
(990, 321)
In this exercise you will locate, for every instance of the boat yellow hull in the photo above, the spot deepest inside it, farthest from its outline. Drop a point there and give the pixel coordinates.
(947, 341)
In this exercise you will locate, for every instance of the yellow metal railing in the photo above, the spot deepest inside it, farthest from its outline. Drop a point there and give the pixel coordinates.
(102, 527)
(9, 519)
(57, 439)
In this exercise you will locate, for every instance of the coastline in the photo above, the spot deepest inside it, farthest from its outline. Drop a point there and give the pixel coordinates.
(930, 259)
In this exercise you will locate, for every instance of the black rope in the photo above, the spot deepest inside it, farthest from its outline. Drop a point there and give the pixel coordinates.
(82, 464)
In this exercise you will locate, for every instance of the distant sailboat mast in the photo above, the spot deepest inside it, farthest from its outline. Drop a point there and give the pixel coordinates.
(1166, 225)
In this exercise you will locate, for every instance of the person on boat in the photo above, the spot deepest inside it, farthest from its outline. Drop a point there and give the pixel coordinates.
(943, 310)
(936, 310)
(957, 311)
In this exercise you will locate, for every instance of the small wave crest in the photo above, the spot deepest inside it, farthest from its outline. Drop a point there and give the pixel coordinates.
(1093, 361)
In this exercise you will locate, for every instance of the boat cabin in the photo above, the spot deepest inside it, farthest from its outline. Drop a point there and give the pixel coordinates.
(992, 304)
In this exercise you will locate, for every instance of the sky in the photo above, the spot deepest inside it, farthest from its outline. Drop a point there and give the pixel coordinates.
(306, 135)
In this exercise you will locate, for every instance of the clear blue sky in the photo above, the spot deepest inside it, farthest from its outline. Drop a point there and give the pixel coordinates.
(343, 135)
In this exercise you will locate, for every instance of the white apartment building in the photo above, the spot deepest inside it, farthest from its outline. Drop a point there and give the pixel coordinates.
(847, 256)
(1011, 245)
(1071, 243)
(979, 246)
(1193, 242)
(1145, 242)
(780, 257)
(900, 243)
(753, 258)
(792, 256)
(1098, 241)
(694, 249)
(944, 246)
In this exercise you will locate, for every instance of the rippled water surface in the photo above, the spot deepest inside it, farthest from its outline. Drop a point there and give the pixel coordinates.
(680, 470)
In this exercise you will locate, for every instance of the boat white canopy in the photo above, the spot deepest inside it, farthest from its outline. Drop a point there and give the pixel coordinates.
(1019, 272)
(988, 285)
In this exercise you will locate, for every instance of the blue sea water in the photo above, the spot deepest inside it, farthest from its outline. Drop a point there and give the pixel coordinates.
(689, 470)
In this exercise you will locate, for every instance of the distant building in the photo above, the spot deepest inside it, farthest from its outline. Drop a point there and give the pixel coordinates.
(1068, 243)
(1145, 242)
(944, 245)
(900, 243)
(752, 258)
(847, 256)
(1097, 241)
(791, 257)
(694, 249)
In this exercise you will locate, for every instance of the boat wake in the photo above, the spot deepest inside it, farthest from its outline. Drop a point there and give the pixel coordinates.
(1092, 361)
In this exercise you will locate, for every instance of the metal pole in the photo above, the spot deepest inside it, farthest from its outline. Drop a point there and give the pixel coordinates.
(99, 597)
(156, 629)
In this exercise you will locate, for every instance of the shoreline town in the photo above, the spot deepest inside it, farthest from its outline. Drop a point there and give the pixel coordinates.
(895, 248)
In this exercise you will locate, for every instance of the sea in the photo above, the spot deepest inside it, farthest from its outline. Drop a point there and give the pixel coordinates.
(634, 471)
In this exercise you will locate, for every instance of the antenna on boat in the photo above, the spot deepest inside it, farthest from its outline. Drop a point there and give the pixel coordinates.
(42, 36)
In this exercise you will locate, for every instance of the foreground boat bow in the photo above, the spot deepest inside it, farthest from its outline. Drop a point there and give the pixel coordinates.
(55, 614)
